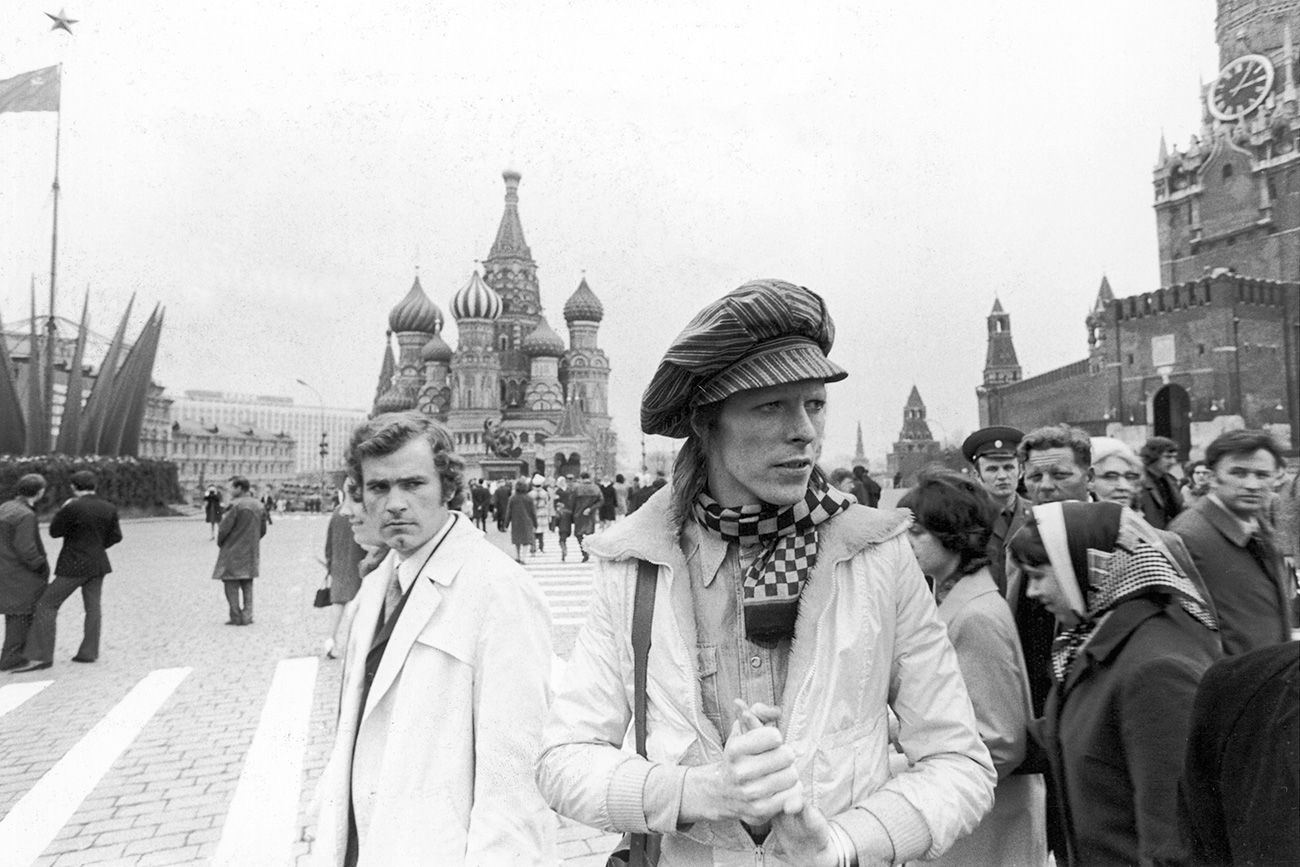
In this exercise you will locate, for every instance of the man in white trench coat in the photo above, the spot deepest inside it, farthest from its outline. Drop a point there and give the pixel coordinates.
(445, 684)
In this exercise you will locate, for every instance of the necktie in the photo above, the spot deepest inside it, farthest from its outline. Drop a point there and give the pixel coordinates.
(392, 595)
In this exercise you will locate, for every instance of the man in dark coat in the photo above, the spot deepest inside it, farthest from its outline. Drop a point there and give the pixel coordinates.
(480, 499)
(240, 541)
(88, 526)
(1240, 794)
(1233, 549)
(23, 567)
(870, 488)
(501, 504)
(586, 506)
(1159, 500)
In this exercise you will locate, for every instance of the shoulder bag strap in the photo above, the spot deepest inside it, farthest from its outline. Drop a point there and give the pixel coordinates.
(643, 609)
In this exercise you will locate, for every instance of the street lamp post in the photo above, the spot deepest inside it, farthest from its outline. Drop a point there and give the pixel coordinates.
(324, 437)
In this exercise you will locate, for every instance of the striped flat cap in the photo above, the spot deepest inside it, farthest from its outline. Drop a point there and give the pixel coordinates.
(767, 332)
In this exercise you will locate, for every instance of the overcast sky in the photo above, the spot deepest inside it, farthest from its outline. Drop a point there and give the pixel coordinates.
(273, 173)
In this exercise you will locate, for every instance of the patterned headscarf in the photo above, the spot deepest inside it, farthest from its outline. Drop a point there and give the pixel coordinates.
(1104, 555)
(773, 581)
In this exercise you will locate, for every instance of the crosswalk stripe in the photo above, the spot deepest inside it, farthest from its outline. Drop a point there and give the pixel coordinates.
(260, 823)
(16, 693)
(37, 817)
(566, 584)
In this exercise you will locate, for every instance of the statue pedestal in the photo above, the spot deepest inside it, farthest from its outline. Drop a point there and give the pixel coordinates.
(493, 469)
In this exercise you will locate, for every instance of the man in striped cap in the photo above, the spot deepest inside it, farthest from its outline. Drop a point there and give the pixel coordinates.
(789, 619)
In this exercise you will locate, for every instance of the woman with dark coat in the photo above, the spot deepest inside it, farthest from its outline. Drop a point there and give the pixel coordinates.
(521, 518)
(1135, 637)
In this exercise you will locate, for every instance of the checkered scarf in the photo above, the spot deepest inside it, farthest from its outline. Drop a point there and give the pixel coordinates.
(1139, 564)
(773, 581)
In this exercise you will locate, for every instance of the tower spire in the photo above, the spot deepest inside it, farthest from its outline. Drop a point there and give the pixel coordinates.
(509, 243)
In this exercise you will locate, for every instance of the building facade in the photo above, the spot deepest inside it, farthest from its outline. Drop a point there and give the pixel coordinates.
(1216, 347)
(916, 448)
(516, 398)
(210, 455)
(303, 425)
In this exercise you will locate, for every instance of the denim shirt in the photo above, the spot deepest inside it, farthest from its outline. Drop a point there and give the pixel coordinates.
(730, 666)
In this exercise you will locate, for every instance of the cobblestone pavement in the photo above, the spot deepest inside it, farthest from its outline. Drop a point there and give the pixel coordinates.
(189, 741)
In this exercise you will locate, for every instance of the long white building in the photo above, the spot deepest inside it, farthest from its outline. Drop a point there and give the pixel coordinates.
(303, 422)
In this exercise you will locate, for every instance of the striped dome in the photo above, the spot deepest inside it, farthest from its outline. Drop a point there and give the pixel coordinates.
(476, 300)
(435, 350)
(415, 312)
(583, 305)
(543, 342)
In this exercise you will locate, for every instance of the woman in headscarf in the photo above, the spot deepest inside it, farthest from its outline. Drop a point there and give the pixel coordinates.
(787, 623)
(953, 522)
(1135, 637)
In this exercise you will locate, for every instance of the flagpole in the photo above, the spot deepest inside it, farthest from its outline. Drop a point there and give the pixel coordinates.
(50, 327)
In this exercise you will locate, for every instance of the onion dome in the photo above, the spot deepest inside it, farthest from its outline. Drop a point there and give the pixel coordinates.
(391, 401)
(415, 312)
(543, 341)
(583, 305)
(476, 300)
(436, 350)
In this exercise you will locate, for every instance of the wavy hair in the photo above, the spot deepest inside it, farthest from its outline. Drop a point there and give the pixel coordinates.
(389, 432)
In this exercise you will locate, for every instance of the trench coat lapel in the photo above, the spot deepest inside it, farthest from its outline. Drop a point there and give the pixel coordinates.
(426, 596)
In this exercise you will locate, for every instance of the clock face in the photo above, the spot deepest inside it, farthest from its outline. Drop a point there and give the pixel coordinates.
(1241, 86)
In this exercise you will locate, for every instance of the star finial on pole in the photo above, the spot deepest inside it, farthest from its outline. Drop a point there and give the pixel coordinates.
(61, 21)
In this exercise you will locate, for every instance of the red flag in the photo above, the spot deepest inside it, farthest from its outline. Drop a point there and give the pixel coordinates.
(32, 91)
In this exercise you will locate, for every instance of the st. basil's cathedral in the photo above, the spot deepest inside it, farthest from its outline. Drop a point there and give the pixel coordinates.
(516, 399)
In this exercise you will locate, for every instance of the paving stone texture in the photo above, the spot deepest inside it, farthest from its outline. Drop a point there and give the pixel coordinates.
(164, 800)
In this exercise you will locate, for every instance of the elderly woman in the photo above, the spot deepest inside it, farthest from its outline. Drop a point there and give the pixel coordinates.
(1135, 637)
(1116, 472)
(953, 521)
(787, 621)
(521, 518)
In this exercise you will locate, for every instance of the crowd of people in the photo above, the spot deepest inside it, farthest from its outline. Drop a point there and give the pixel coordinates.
(1072, 653)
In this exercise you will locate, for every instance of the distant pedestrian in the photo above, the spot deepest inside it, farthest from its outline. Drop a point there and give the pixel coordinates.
(24, 569)
(240, 541)
(500, 500)
(563, 525)
(620, 496)
(634, 495)
(1159, 499)
(586, 508)
(212, 510)
(543, 505)
(343, 556)
(1197, 483)
(842, 479)
(898, 480)
(869, 486)
(482, 502)
(521, 518)
(608, 502)
(88, 526)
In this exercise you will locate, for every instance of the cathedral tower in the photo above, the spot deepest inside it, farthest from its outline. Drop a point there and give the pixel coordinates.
(509, 270)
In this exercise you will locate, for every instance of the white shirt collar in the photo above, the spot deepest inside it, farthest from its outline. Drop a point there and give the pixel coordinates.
(1248, 527)
(410, 566)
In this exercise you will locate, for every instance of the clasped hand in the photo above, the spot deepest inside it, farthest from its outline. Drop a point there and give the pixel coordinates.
(756, 782)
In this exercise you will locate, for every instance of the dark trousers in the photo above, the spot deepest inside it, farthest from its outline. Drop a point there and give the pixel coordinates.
(40, 641)
(16, 627)
(240, 615)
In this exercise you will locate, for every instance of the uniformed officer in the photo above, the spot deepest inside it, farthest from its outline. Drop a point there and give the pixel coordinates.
(992, 451)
